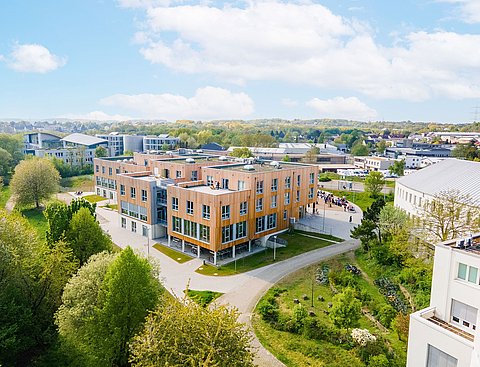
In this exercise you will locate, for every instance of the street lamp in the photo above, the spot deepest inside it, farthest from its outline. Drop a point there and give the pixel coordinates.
(274, 246)
(148, 242)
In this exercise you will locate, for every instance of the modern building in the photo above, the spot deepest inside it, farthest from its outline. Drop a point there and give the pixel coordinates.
(445, 334)
(159, 142)
(413, 190)
(206, 203)
(40, 140)
(378, 163)
(118, 144)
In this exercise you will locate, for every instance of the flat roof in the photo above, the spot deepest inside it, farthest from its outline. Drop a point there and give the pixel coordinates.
(196, 159)
(208, 190)
(262, 167)
(83, 139)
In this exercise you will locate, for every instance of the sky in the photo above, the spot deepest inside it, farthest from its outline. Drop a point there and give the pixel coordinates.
(367, 60)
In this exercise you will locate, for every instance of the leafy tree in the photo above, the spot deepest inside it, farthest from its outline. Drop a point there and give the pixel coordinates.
(374, 183)
(101, 152)
(34, 180)
(360, 150)
(449, 215)
(191, 142)
(380, 360)
(392, 220)
(368, 229)
(401, 325)
(311, 155)
(105, 305)
(466, 151)
(398, 168)
(186, 334)
(242, 152)
(13, 144)
(346, 309)
(85, 236)
(286, 159)
(69, 170)
(128, 153)
(381, 146)
(6, 162)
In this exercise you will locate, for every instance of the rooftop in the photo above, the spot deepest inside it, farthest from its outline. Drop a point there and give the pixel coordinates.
(208, 190)
(469, 244)
(429, 314)
(83, 139)
(191, 159)
(261, 167)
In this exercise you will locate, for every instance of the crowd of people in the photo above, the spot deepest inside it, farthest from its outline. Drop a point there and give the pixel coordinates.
(331, 199)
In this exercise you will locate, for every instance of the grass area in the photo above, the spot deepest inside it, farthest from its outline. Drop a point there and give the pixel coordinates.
(203, 298)
(37, 220)
(175, 255)
(297, 244)
(78, 183)
(362, 199)
(94, 198)
(321, 235)
(295, 349)
(4, 196)
(111, 206)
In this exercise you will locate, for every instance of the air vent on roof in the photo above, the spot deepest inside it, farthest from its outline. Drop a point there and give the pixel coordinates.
(248, 167)
(274, 163)
(199, 151)
(190, 160)
(222, 158)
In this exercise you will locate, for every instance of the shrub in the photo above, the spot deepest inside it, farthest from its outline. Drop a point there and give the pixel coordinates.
(346, 309)
(268, 309)
(386, 314)
(363, 337)
(343, 278)
(380, 360)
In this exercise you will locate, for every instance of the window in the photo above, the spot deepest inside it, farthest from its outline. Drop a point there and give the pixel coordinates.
(310, 193)
(109, 171)
(225, 183)
(174, 203)
(272, 221)
(241, 185)
(178, 174)
(117, 171)
(194, 175)
(287, 198)
(285, 215)
(259, 187)
(288, 182)
(472, 274)
(134, 226)
(260, 224)
(204, 233)
(468, 273)
(144, 195)
(144, 231)
(133, 193)
(312, 177)
(298, 180)
(241, 230)
(103, 169)
(176, 225)
(275, 184)
(273, 203)
(259, 205)
(206, 211)
(189, 207)
(124, 222)
(243, 208)
(227, 233)
(189, 228)
(209, 180)
(297, 196)
(438, 358)
(96, 168)
(464, 315)
(226, 212)
(122, 190)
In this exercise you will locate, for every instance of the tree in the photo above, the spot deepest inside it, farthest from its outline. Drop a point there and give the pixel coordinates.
(105, 305)
(381, 146)
(374, 183)
(185, 334)
(101, 152)
(380, 360)
(242, 152)
(34, 180)
(368, 229)
(449, 215)
(401, 325)
(466, 151)
(346, 309)
(6, 163)
(398, 168)
(128, 153)
(85, 236)
(13, 144)
(311, 155)
(392, 221)
(360, 150)
(286, 158)
(191, 142)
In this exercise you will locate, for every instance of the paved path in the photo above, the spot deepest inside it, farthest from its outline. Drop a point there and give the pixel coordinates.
(356, 186)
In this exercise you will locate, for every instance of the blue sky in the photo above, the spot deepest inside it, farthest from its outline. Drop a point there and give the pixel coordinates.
(179, 59)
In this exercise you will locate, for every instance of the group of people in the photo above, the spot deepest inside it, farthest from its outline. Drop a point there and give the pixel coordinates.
(330, 199)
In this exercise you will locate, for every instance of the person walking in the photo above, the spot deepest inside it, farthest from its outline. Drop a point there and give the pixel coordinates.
(350, 220)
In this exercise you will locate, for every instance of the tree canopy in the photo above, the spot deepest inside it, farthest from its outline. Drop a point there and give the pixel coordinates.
(374, 183)
(101, 152)
(242, 152)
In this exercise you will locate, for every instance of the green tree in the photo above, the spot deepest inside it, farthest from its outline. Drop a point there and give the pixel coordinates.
(242, 152)
(392, 220)
(360, 150)
(380, 360)
(186, 334)
(374, 183)
(311, 155)
(85, 236)
(466, 151)
(286, 159)
(6, 162)
(34, 180)
(381, 146)
(128, 153)
(101, 152)
(346, 309)
(398, 168)
(13, 144)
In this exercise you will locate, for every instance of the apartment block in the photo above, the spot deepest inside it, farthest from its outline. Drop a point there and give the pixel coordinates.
(445, 334)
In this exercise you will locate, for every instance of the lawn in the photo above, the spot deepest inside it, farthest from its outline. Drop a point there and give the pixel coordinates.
(4, 196)
(94, 198)
(297, 244)
(203, 298)
(173, 254)
(37, 220)
(295, 349)
(78, 183)
(362, 199)
(111, 206)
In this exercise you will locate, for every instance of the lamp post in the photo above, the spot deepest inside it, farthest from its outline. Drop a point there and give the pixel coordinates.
(274, 246)
(148, 242)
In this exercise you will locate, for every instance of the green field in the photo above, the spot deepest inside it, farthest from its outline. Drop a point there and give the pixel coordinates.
(297, 244)
(203, 298)
(37, 220)
(294, 349)
(94, 198)
(4, 196)
(171, 253)
(78, 183)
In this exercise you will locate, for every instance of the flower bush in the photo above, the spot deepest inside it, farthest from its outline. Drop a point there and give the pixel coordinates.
(363, 337)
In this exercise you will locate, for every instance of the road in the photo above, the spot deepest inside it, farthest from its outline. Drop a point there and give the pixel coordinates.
(356, 186)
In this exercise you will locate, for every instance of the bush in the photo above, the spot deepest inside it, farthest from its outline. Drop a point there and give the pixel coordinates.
(343, 278)
(268, 309)
(324, 179)
(385, 315)
(278, 291)
(380, 360)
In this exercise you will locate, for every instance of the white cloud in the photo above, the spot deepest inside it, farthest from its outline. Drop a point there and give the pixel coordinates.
(469, 10)
(306, 43)
(96, 116)
(207, 103)
(350, 108)
(33, 58)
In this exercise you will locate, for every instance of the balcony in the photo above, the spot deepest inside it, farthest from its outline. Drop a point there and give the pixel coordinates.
(429, 314)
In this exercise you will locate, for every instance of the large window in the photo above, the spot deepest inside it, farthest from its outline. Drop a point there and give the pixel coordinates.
(298, 180)
(174, 203)
(241, 230)
(209, 180)
(288, 182)
(438, 358)
(189, 228)
(259, 187)
(273, 203)
(133, 210)
(259, 205)
(310, 193)
(225, 211)
(287, 198)
(241, 185)
(133, 192)
(176, 224)
(464, 315)
(272, 221)
(243, 208)
(297, 196)
(144, 195)
(189, 207)
(227, 233)
(204, 233)
(260, 224)
(206, 211)
(312, 177)
(122, 190)
(468, 273)
(275, 184)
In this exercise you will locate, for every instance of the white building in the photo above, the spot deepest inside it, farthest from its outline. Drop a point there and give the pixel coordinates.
(159, 142)
(118, 144)
(445, 334)
(412, 191)
(378, 163)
